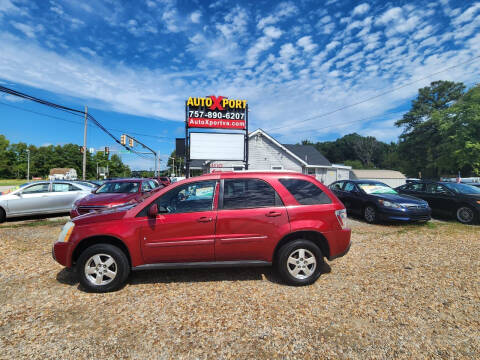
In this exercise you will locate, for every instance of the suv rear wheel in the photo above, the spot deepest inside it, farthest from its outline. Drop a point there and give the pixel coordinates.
(103, 268)
(299, 262)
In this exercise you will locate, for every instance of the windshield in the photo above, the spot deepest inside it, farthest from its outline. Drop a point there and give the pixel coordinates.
(376, 188)
(118, 187)
(462, 188)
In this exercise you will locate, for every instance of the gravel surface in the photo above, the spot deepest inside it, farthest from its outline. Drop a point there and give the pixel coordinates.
(403, 291)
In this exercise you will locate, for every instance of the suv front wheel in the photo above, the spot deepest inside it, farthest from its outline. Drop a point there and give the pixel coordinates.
(299, 262)
(103, 268)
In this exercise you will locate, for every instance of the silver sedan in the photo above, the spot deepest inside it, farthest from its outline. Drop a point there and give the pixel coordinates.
(41, 198)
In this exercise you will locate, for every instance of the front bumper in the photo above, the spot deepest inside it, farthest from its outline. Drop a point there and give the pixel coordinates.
(61, 253)
(387, 214)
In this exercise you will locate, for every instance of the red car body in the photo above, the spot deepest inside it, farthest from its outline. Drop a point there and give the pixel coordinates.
(101, 201)
(251, 235)
(164, 180)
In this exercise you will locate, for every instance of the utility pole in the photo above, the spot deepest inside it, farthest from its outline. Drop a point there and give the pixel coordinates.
(28, 165)
(85, 146)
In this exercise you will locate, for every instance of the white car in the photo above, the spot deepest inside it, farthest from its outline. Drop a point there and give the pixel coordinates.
(41, 198)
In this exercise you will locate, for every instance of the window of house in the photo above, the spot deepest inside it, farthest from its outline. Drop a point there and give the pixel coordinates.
(305, 192)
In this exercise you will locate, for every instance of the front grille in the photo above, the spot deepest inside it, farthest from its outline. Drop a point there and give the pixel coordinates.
(86, 209)
(413, 207)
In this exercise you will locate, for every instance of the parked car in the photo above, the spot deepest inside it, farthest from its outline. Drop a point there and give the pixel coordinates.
(113, 193)
(41, 198)
(164, 180)
(215, 220)
(476, 184)
(376, 201)
(455, 200)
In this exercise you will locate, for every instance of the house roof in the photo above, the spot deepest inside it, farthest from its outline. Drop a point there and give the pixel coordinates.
(306, 154)
(378, 174)
(62, 171)
(309, 154)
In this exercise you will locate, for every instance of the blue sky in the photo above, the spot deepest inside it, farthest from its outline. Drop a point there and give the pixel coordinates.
(134, 63)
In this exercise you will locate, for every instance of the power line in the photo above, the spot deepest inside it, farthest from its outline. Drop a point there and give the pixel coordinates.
(376, 96)
(66, 109)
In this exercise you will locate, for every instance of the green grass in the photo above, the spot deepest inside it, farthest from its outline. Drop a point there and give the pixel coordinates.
(12, 182)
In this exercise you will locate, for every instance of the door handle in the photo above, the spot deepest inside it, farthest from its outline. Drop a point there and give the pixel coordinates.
(273, 214)
(204, 219)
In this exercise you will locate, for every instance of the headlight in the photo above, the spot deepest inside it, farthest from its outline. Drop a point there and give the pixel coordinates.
(66, 232)
(390, 204)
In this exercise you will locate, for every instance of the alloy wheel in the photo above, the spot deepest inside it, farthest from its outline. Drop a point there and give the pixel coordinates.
(100, 269)
(301, 264)
(370, 214)
(465, 215)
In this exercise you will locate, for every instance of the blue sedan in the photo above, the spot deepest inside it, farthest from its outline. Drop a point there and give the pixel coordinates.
(376, 201)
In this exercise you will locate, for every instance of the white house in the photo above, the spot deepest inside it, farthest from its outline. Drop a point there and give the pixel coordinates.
(63, 174)
(266, 153)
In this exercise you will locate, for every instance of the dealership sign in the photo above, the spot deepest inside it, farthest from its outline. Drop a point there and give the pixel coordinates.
(216, 112)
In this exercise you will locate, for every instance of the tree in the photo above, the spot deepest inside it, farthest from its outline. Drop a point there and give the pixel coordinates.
(438, 96)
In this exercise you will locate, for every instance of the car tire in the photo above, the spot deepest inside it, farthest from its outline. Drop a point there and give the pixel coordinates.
(466, 215)
(300, 262)
(370, 214)
(103, 268)
(3, 215)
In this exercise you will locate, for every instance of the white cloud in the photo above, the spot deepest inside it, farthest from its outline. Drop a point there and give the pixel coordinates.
(195, 17)
(467, 15)
(29, 31)
(361, 9)
(282, 11)
(306, 43)
(389, 15)
(272, 32)
(332, 45)
(287, 51)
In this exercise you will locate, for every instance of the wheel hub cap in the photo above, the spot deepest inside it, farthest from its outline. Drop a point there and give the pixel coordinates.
(301, 264)
(100, 269)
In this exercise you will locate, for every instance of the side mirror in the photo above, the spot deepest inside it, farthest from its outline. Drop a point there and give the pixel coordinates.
(153, 211)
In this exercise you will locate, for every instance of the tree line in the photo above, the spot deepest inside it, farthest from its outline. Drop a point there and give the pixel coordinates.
(440, 137)
(13, 160)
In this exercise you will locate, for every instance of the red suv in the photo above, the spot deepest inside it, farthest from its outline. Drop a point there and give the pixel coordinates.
(113, 193)
(289, 220)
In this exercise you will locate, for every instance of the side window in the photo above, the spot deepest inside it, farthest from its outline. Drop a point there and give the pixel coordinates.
(152, 183)
(59, 187)
(349, 187)
(193, 197)
(248, 193)
(73, 188)
(337, 186)
(35, 189)
(435, 189)
(416, 187)
(146, 186)
(305, 192)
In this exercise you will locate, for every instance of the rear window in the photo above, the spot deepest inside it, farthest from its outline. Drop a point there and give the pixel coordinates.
(305, 192)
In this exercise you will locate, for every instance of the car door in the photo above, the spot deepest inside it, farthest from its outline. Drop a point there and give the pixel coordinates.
(184, 229)
(250, 220)
(62, 196)
(337, 188)
(353, 198)
(440, 199)
(33, 199)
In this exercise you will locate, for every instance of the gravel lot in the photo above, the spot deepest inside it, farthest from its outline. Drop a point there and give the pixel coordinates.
(403, 291)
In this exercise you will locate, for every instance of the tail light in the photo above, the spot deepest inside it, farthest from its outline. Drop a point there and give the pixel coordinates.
(342, 218)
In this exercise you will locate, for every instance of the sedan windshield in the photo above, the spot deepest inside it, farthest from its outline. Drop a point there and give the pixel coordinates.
(376, 188)
(118, 187)
(462, 188)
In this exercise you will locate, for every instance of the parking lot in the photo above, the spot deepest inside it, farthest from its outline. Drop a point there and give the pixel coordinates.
(403, 291)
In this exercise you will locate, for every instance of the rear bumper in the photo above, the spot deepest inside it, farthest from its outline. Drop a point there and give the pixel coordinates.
(339, 243)
(404, 215)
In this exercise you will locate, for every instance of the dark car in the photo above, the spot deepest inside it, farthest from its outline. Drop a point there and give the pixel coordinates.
(164, 180)
(376, 201)
(288, 220)
(114, 193)
(450, 199)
